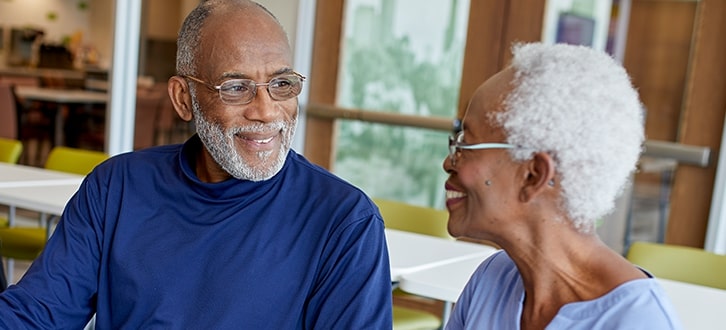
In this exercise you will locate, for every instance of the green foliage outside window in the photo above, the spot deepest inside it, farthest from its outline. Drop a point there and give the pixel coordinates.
(384, 70)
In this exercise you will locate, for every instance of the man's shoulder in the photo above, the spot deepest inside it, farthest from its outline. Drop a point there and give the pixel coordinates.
(330, 190)
(149, 154)
(139, 161)
(302, 167)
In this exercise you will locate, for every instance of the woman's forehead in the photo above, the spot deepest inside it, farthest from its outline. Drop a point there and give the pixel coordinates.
(487, 101)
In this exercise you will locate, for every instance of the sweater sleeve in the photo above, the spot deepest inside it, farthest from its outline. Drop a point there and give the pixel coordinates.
(353, 290)
(59, 288)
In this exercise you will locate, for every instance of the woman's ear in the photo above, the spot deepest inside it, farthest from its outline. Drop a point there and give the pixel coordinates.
(180, 97)
(539, 177)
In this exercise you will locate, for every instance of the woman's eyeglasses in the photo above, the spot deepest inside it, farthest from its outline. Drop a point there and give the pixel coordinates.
(457, 143)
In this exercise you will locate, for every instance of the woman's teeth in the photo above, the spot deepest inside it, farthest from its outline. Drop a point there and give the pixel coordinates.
(454, 194)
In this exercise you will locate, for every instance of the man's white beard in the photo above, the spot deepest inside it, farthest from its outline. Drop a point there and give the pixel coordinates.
(220, 145)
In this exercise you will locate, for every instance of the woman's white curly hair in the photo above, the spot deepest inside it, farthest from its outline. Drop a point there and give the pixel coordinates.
(578, 105)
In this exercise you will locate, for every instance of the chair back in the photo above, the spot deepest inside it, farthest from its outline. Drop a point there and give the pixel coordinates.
(680, 263)
(10, 150)
(421, 220)
(73, 160)
(8, 112)
(148, 103)
(413, 218)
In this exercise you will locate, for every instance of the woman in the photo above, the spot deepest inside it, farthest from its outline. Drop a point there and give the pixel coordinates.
(545, 147)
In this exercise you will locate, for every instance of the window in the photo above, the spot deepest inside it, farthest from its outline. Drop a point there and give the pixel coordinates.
(387, 82)
(400, 61)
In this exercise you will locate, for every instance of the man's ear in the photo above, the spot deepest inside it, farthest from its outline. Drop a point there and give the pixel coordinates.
(539, 177)
(180, 97)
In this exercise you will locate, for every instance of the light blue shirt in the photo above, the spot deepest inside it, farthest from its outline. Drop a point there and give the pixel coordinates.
(493, 300)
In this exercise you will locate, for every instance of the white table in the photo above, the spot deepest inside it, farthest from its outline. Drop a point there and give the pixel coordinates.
(411, 252)
(49, 199)
(44, 191)
(15, 175)
(443, 283)
(37, 182)
(699, 307)
(61, 97)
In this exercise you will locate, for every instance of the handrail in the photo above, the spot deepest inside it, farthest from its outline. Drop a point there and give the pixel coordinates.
(333, 112)
(683, 154)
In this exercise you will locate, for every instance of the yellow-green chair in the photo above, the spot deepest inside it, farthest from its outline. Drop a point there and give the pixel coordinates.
(422, 220)
(10, 150)
(680, 263)
(413, 218)
(73, 160)
(26, 243)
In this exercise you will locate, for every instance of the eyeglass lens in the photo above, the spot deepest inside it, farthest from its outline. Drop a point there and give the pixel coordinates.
(242, 91)
(454, 142)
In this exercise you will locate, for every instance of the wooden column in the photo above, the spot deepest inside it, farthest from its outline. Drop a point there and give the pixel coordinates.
(701, 124)
(493, 27)
(319, 132)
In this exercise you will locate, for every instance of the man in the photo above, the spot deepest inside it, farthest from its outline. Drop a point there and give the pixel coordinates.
(230, 230)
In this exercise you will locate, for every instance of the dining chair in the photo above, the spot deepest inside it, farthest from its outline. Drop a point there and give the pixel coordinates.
(26, 243)
(25, 120)
(10, 150)
(148, 104)
(680, 263)
(410, 311)
(168, 122)
(74, 160)
(8, 112)
(413, 218)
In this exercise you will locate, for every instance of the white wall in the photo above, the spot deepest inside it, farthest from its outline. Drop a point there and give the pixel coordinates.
(67, 21)
(69, 18)
(96, 22)
(101, 34)
(286, 13)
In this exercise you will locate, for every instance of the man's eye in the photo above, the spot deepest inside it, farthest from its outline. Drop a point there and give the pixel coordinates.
(280, 83)
(235, 87)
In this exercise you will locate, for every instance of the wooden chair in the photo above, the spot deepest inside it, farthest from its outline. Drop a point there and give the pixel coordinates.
(422, 220)
(148, 104)
(25, 121)
(8, 112)
(680, 263)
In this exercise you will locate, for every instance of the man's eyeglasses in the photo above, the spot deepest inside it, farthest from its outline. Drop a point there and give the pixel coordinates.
(456, 143)
(243, 91)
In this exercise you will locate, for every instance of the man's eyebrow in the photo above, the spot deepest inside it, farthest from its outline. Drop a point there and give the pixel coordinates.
(239, 75)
